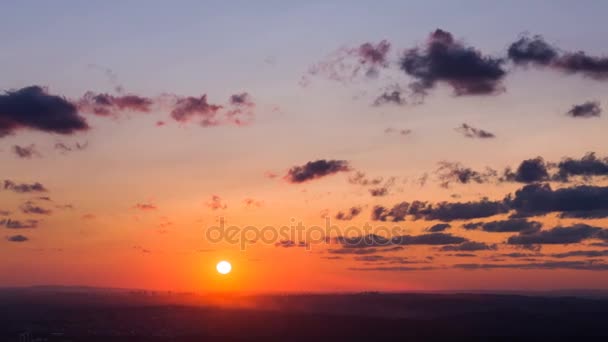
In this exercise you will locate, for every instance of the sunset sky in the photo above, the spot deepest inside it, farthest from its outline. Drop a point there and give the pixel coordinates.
(474, 131)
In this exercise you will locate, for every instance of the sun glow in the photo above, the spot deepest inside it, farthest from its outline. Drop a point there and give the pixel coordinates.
(223, 267)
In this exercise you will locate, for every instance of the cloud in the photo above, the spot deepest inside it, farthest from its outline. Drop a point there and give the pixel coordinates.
(402, 131)
(23, 187)
(394, 268)
(533, 50)
(348, 214)
(378, 192)
(316, 169)
(347, 64)
(506, 226)
(16, 224)
(190, 108)
(252, 202)
(30, 208)
(26, 152)
(364, 251)
(472, 132)
(558, 235)
(360, 178)
(395, 214)
(4, 212)
(442, 211)
(290, 243)
(450, 211)
(468, 246)
(428, 239)
(547, 265)
(589, 165)
(112, 105)
(586, 254)
(216, 203)
(33, 108)
(449, 172)
(529, 171)
(536, 51)
(65, 148)
(579, 62)
(363, 241)
(540, 199)
(439, 227)
(444, 59)
(390, 97)
(145, 207)
(587, 109)
(17, 238)
(384, 189)
(241, 111)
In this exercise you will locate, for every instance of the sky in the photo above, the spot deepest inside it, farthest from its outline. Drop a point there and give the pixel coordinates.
(421, 145)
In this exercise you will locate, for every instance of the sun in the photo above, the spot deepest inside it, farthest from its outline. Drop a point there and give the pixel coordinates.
(223, 267)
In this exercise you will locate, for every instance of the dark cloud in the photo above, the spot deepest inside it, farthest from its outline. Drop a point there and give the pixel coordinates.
(538, 52)
(547, 265)
(395, 214)
(378, 192)
(521, 255)
(4, 212)
(24, 187)
(241, 110)
(112, 105)
(363, 241)
(395, 97)
(450, 211)
(33, 108)
(449, 172)
(190, 108)
(290, 243)
(579, 62)
(360, 178)
(529, 171)
(440, 227)
(472, 132)
(468, 246)
(316, 169)
(442, 211)
(26, 152)
(444, 59)
(65, 148)
(428, 239)
(558, 235)
(589, 165)
(17, 238)
(533, 50)
(394, 268)
(364, 251)
(586, 254)
(16, 224)
(587, 109)
(31, 208)
(348, 214)
(540, 199)
(506, 226)
(347, 64)
(386, 260)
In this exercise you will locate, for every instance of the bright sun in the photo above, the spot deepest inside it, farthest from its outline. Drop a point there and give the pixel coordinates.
(223, 267)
